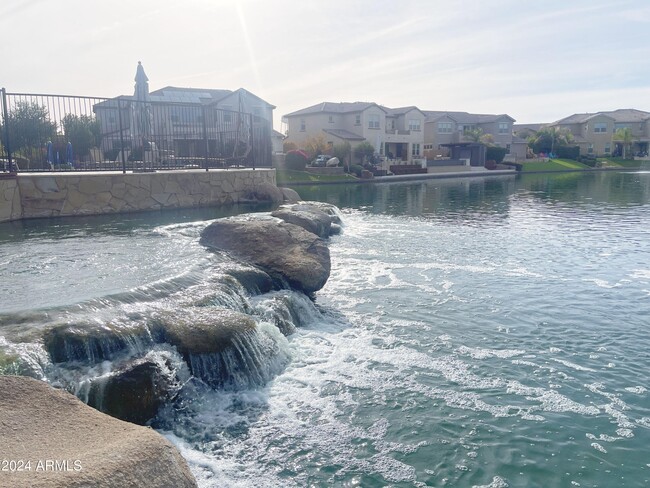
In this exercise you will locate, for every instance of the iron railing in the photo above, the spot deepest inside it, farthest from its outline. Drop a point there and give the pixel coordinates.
(78, 133)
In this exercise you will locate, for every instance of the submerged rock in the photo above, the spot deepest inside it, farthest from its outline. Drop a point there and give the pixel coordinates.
(134, 393)
(285, 251)
(39, 423)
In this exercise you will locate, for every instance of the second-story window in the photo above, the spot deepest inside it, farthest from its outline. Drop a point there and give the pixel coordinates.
(331, 119)
(357, 119)
(504, 127)
(600, 127)
(414, 124)
(444, 128)
(373, 121)
(303, 125)
(227, 115)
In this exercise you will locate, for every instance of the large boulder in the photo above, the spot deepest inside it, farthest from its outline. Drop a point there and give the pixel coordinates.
(93, 342)
(69, 444)
(133, 393)
(314, 221)
(202, 330)
(290, 195)
(264, 193)
(285, 251)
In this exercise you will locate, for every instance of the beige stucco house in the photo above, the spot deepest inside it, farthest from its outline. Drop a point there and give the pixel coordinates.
(443, 127)
(594, 132)
(392, 132)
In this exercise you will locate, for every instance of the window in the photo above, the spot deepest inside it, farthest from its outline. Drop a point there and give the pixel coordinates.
(331, 119)
(227, 116)
(415, 149)
(620, 126)
(608, 148)
(373, 121)
(590, 149)
(466, 127)
(600, 127)
(257, 114)
(507, 148)
(303, 125)
(357, 119)
(414, 124)
(444, 127)
(428, 147)
(504, 127)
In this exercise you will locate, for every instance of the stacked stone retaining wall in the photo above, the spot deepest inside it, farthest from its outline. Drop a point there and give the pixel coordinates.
(63, 194)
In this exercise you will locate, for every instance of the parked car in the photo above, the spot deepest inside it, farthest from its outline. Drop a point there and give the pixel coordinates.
(321, 160)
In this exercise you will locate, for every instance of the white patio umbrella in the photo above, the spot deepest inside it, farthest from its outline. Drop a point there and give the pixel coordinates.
(141, 121)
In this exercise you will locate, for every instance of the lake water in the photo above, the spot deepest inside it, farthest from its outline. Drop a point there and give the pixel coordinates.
(473, 332)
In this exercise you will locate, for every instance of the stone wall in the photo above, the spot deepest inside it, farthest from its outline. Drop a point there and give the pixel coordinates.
(10, 206)
(62, 194)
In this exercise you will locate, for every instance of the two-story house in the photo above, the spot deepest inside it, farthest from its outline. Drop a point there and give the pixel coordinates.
(594, 132)
(392, 132)
(444, 128)
(189, 123)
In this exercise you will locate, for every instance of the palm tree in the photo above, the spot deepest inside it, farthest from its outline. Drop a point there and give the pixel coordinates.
(624, 136)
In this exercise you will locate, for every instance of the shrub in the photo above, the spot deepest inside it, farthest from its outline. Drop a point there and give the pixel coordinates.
(295, 160)
(288, 146)
(568, 152)
(490, 164)
(357, 169)
(495, 153)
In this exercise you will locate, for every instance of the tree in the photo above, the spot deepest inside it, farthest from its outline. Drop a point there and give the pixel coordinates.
(342, 151)
(548, 138)
(289, 146)
(477, 135)
(29, 126)
(624, 136)
(315, 145)
(82, 131)
(364, 151)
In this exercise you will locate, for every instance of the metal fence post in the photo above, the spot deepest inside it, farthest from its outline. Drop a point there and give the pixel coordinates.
(205, 137)
(5, 116)
(119, 116)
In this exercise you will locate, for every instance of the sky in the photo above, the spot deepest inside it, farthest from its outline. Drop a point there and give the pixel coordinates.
(536, 61)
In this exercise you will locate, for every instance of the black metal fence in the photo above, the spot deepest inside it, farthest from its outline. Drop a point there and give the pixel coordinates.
(75, 133)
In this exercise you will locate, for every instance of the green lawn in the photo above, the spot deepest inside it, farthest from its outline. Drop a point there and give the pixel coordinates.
(285, 176)
(624, 163)
(554, 165)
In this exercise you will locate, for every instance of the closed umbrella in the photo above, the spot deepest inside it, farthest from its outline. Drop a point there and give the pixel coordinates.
(141, 130)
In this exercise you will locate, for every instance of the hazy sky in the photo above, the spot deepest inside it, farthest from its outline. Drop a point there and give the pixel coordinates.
(537, 61)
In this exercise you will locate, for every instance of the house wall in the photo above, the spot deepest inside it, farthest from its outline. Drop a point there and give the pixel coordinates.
(433, 137)
(56, 195)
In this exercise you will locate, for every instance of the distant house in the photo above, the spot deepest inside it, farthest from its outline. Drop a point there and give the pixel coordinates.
(442, 128)
(392, 132)
(594, 132)
(188, 122)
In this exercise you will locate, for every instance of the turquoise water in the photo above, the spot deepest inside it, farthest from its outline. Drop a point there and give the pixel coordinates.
(474, 332)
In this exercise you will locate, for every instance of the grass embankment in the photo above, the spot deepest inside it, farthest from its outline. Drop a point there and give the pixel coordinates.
(571, 165)
(288, 177)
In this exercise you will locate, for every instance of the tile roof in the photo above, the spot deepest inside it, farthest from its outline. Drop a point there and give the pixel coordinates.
(464, 117)
(344, 134)
(332, 107)
(620, 115)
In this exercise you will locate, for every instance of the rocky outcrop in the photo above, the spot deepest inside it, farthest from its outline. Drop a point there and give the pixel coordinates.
(68, 444)
(285, 251)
